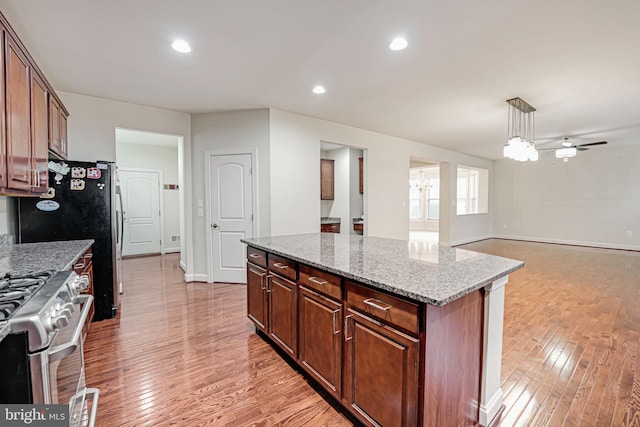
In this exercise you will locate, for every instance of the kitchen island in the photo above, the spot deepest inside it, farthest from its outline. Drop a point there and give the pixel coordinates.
(398, 332)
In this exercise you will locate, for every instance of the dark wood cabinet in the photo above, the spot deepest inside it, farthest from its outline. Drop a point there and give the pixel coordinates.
(84, 267)
(320, 342)
(18, 113)
(26, 120)
(381, 372)
(39, 133)
(257, 295)
(57, 128)
(326, 179)
(283, 313)
(330, 228)
(389, 360)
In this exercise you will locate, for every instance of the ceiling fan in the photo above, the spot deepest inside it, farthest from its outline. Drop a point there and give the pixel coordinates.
(569, 150)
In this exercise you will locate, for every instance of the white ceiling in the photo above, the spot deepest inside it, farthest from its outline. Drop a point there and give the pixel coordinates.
(576, 61)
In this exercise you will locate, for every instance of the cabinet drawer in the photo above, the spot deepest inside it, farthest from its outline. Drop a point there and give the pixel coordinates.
(320, 281)
(282, 266)
(257, 256)
(330, 228)
(387, 308)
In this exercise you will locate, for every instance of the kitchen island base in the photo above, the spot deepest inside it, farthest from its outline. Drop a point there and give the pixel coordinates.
(390, 352)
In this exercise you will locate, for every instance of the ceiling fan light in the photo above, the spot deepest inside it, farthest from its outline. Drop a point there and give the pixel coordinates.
(566, 152)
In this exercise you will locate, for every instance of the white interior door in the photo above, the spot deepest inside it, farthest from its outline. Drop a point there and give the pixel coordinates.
(141, 211)
(231, 215)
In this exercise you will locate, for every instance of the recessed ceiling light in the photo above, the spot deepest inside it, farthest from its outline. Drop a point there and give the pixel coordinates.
(319, 90)
(181, 46)
(399, 43)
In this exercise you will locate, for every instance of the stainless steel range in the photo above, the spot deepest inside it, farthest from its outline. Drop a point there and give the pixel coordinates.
(41, 360)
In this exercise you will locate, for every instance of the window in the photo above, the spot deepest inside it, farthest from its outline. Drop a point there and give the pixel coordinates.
(472, 190)
(424, 194)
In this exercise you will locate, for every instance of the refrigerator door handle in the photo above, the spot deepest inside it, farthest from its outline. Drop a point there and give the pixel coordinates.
(121, 223)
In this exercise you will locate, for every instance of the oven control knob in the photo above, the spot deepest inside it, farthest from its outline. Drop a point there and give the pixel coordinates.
(68, 306)
(60, 322)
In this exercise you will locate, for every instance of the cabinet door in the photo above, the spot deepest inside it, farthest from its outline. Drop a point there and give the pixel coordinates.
(39, 133)
(3, 145)
(282, 312)
(55, 142)
(19, 175)
(257, 295)
(64, 146)
(381, 372)
(326, 179)
(320, 346)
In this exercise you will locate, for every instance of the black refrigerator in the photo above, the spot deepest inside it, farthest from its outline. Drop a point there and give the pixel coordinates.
(83, 203)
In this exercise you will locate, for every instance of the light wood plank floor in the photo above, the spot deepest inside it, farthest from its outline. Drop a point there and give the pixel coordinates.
(186, 355)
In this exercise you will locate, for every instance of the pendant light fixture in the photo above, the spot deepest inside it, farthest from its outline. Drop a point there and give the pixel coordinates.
(520, 144)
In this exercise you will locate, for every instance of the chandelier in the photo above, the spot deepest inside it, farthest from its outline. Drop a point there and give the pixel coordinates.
(520, 132)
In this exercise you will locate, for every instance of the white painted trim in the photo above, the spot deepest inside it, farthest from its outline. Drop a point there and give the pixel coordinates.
(253, 152)
(183, 266)
(492, 407)
(490, 392)
(566, 242)
(195, 277)
(160, 198)
(171, 250)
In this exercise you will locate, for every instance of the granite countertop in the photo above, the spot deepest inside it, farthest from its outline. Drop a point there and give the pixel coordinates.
(26, 258)
(329, 220)
(421, 271)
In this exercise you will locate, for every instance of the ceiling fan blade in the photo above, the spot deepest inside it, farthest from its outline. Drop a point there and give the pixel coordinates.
(591, 144)
(579, 148)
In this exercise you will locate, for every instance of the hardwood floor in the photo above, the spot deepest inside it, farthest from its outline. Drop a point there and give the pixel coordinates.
(571, 335)
(186, 354)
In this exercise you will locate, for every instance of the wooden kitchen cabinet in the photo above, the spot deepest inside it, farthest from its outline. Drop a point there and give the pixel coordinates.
(283, 313)
(326, 179)
(57, 128)
(84, 267)
(380, 372)
(320, 339)
(257, 303)
(330, 228)
(26, 119)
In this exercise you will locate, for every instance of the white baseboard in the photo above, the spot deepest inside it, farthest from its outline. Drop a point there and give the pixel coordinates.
(194, 277)
(471, 240)
(489, 410)
(171, 250)
(568, 242)
(183, 266)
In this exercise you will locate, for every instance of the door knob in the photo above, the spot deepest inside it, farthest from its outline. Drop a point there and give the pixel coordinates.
(215, 226)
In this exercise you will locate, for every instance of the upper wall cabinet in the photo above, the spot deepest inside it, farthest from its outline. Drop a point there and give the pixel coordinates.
(29, 127)
(326, 179)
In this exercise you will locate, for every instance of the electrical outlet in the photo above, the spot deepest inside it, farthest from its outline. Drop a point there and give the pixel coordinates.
(629, 233)
(505, 226)
(175, 238)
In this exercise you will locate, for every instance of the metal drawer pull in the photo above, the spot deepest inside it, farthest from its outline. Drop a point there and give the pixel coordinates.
(78, 266)
(376, 304)
(335, 322)
(316, 281)
(280, 265)
(254, 256)
(88, 256)
(346, 328)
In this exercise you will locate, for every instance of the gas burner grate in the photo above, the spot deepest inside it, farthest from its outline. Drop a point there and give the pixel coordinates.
(15, 290)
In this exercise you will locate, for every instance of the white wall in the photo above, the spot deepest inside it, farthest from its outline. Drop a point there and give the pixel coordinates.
(295, 178)
(232, 130)
(92, 127)
(166, 159)
(593, 200)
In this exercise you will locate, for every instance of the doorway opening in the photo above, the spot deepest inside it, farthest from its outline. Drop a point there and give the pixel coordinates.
(343, 171)
(424, 201)
(153, 156)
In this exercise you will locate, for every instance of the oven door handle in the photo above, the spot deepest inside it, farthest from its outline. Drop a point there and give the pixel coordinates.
(84, 394)
(63, 350)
